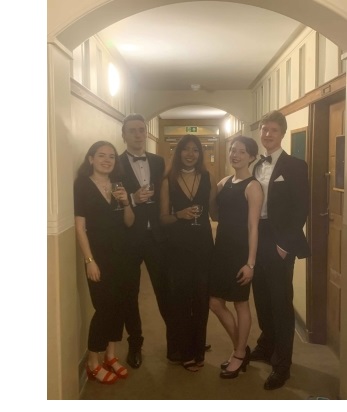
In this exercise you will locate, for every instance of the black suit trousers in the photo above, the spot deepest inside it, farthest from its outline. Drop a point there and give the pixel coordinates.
(273, 296)
(151, 252)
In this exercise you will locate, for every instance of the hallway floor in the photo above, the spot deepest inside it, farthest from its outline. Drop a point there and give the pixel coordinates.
(315, 369)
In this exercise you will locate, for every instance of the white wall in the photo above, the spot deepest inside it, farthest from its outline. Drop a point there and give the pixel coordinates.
(327, 60)
(295, 121)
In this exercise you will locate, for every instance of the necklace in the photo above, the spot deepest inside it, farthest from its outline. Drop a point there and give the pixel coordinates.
(188, 171)
(106, 187)
(191, 196)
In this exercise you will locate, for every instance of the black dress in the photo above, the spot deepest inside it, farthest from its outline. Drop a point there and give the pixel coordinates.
(231, 246)
(106, 231)
(189, 262)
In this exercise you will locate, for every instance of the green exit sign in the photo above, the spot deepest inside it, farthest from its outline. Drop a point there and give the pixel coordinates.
(191, 129)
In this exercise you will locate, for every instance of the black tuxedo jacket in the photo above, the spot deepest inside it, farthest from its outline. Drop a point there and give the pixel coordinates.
(288, 203)
(144, 212)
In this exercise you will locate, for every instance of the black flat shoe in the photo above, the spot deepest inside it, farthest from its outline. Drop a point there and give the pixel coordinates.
(276, 380)
(134, 358)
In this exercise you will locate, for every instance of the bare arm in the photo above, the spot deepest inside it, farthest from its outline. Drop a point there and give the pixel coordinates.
(92, 269)
(254, 195)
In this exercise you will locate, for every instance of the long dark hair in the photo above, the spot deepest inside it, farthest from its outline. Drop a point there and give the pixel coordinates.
(86, 169)
(176, 164)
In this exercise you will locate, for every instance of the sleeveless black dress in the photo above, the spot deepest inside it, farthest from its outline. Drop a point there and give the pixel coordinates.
(231, 246)
(190, 254)
(182, 235)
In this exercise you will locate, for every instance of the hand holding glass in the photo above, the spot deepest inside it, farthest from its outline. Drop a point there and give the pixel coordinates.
(150, 188)
(115, 192)
(197, 210)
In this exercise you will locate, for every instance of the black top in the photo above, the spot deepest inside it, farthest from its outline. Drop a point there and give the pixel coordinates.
(105, 227)
(182, 232)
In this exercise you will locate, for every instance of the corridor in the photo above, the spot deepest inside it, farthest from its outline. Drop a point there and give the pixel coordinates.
(314, 372)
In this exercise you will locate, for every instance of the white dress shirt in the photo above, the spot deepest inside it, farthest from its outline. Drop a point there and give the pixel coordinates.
(263, 173)
(141, 169)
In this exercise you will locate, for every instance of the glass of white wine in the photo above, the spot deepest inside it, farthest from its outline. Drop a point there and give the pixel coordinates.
(150, 188)
(115, 192)
(197, 210)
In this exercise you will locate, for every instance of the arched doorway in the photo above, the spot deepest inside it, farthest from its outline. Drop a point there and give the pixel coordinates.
(69, 24)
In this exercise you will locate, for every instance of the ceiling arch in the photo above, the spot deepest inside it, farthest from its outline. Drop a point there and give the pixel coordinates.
(72, 22)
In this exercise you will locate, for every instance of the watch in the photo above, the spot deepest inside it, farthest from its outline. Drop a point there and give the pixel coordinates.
(250, 266)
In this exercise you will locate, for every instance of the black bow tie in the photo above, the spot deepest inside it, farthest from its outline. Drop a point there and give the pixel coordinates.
(136, 158)
(266, 158)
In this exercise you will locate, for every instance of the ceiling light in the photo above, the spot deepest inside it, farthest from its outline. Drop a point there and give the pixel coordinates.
(195, 87)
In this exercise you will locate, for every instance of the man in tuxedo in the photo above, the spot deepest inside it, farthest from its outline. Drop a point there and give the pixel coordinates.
(284, 180)
(146, 240)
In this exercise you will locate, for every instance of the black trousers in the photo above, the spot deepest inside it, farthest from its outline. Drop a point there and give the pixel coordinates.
(188, 304)
(273, 297)
(107, 322)
(152, 253)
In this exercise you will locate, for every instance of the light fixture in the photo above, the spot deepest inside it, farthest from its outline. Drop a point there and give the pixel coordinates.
(195, 87)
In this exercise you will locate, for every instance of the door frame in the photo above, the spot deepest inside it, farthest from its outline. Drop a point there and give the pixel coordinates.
(318, 101)
(318, 220)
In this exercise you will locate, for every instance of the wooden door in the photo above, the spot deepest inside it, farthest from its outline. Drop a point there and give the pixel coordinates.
(210, 158)
(335, 210)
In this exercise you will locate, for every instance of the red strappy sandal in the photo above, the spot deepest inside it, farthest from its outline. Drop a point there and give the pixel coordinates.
(121, 372)
(92, 375)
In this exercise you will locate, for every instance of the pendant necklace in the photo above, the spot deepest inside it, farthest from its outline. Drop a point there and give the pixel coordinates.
(105, 187)
(185, 184)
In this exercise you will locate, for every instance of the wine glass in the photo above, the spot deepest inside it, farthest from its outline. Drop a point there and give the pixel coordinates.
(150, 188)
(115, 192)
(197, 210)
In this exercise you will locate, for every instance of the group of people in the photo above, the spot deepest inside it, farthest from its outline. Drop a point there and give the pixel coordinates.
(163, 219)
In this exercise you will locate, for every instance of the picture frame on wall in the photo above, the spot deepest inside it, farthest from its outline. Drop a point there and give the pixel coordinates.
(298, 143)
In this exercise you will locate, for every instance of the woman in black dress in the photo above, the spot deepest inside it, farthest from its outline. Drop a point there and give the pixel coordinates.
(239, 201)
(190, 247)
(100, 231)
